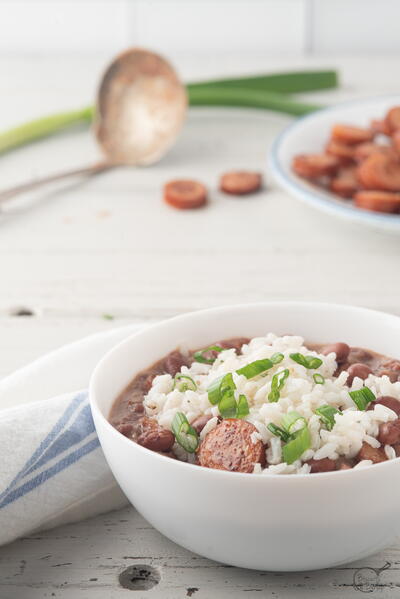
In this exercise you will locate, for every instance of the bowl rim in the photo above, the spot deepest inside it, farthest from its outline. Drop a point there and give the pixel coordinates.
(321, 199)
(284, 478)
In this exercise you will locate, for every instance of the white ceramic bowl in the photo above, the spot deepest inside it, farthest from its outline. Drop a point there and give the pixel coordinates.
(310, 134)
(282, 522)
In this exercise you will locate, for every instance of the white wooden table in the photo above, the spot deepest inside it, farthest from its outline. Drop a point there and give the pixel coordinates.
(112, 247)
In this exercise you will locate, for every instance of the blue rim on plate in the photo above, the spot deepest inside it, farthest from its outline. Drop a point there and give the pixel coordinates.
(318, 198)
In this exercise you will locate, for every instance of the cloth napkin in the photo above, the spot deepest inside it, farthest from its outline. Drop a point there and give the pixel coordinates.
(52, 468)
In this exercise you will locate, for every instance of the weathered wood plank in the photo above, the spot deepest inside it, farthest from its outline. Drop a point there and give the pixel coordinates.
(85, 560)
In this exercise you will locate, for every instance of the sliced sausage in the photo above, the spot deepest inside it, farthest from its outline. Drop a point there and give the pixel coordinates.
(154, 437)
(324, 465)
(351, 135)
(240, 182)
(396, 141)
(363, 151)
(345, 183)
(362, 371)
(378, 201)
(342, 151)
(375, 454)
(185, 194)
(380, 172)
(314, 166)
(379, 127)
(392, 119)
(386, 400)
(229, 447)
(389, 432)
(341, 350)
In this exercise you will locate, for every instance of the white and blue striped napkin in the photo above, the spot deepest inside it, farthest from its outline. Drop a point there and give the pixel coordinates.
(52, 468)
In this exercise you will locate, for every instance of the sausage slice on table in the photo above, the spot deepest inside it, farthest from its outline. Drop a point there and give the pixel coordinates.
(240, 182)
(185, 194)
(229, 446)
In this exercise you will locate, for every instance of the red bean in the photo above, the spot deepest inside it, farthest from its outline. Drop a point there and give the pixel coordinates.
(174, 362)
(199, 423)
(324, 465)
(341, 350)
(362, 371)
(386, 400)
(154, 437)
(389, 432)
(344, 464)
(375, 454)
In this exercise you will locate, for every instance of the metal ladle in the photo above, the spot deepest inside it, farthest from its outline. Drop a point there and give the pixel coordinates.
(140, 108)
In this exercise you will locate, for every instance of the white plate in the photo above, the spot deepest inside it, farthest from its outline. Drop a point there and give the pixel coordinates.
(309, 134)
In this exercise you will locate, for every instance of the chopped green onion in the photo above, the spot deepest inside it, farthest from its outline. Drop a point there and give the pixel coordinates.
(219, 386)
(278, 431)
(276, 358)
(227, 405)
(221, 392)
(362, 397)
(185, 434)
(213, 391)
(295, 448)
(255, 368)
(289, 420)
(278, 380)
(318, 378)
(183, 382)
(200, 357)
(327, 415)
(242, 407)
(306, 361)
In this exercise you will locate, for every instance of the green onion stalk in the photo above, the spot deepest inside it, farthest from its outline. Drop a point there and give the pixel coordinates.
(267, 92)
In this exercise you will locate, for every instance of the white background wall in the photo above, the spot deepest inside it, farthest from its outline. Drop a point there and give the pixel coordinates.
(201, 26)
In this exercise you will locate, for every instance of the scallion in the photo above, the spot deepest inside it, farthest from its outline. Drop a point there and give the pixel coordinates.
(294, 449)
(227, 405)
(213, 391)
(327, 414)
(183, 382)
(306, 361)
(221, 392)
(242, 407)
(199, 356)
(278, 431)
(185, 434)
(276, 358)
(362, 397)
(318, 378)
(278, 380)
(290, 419)
(255, 368)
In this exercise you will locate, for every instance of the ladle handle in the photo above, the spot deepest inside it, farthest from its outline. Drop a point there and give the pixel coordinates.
(93, 169)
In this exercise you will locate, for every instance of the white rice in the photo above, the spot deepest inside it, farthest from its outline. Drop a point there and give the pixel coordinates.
(300, 393)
